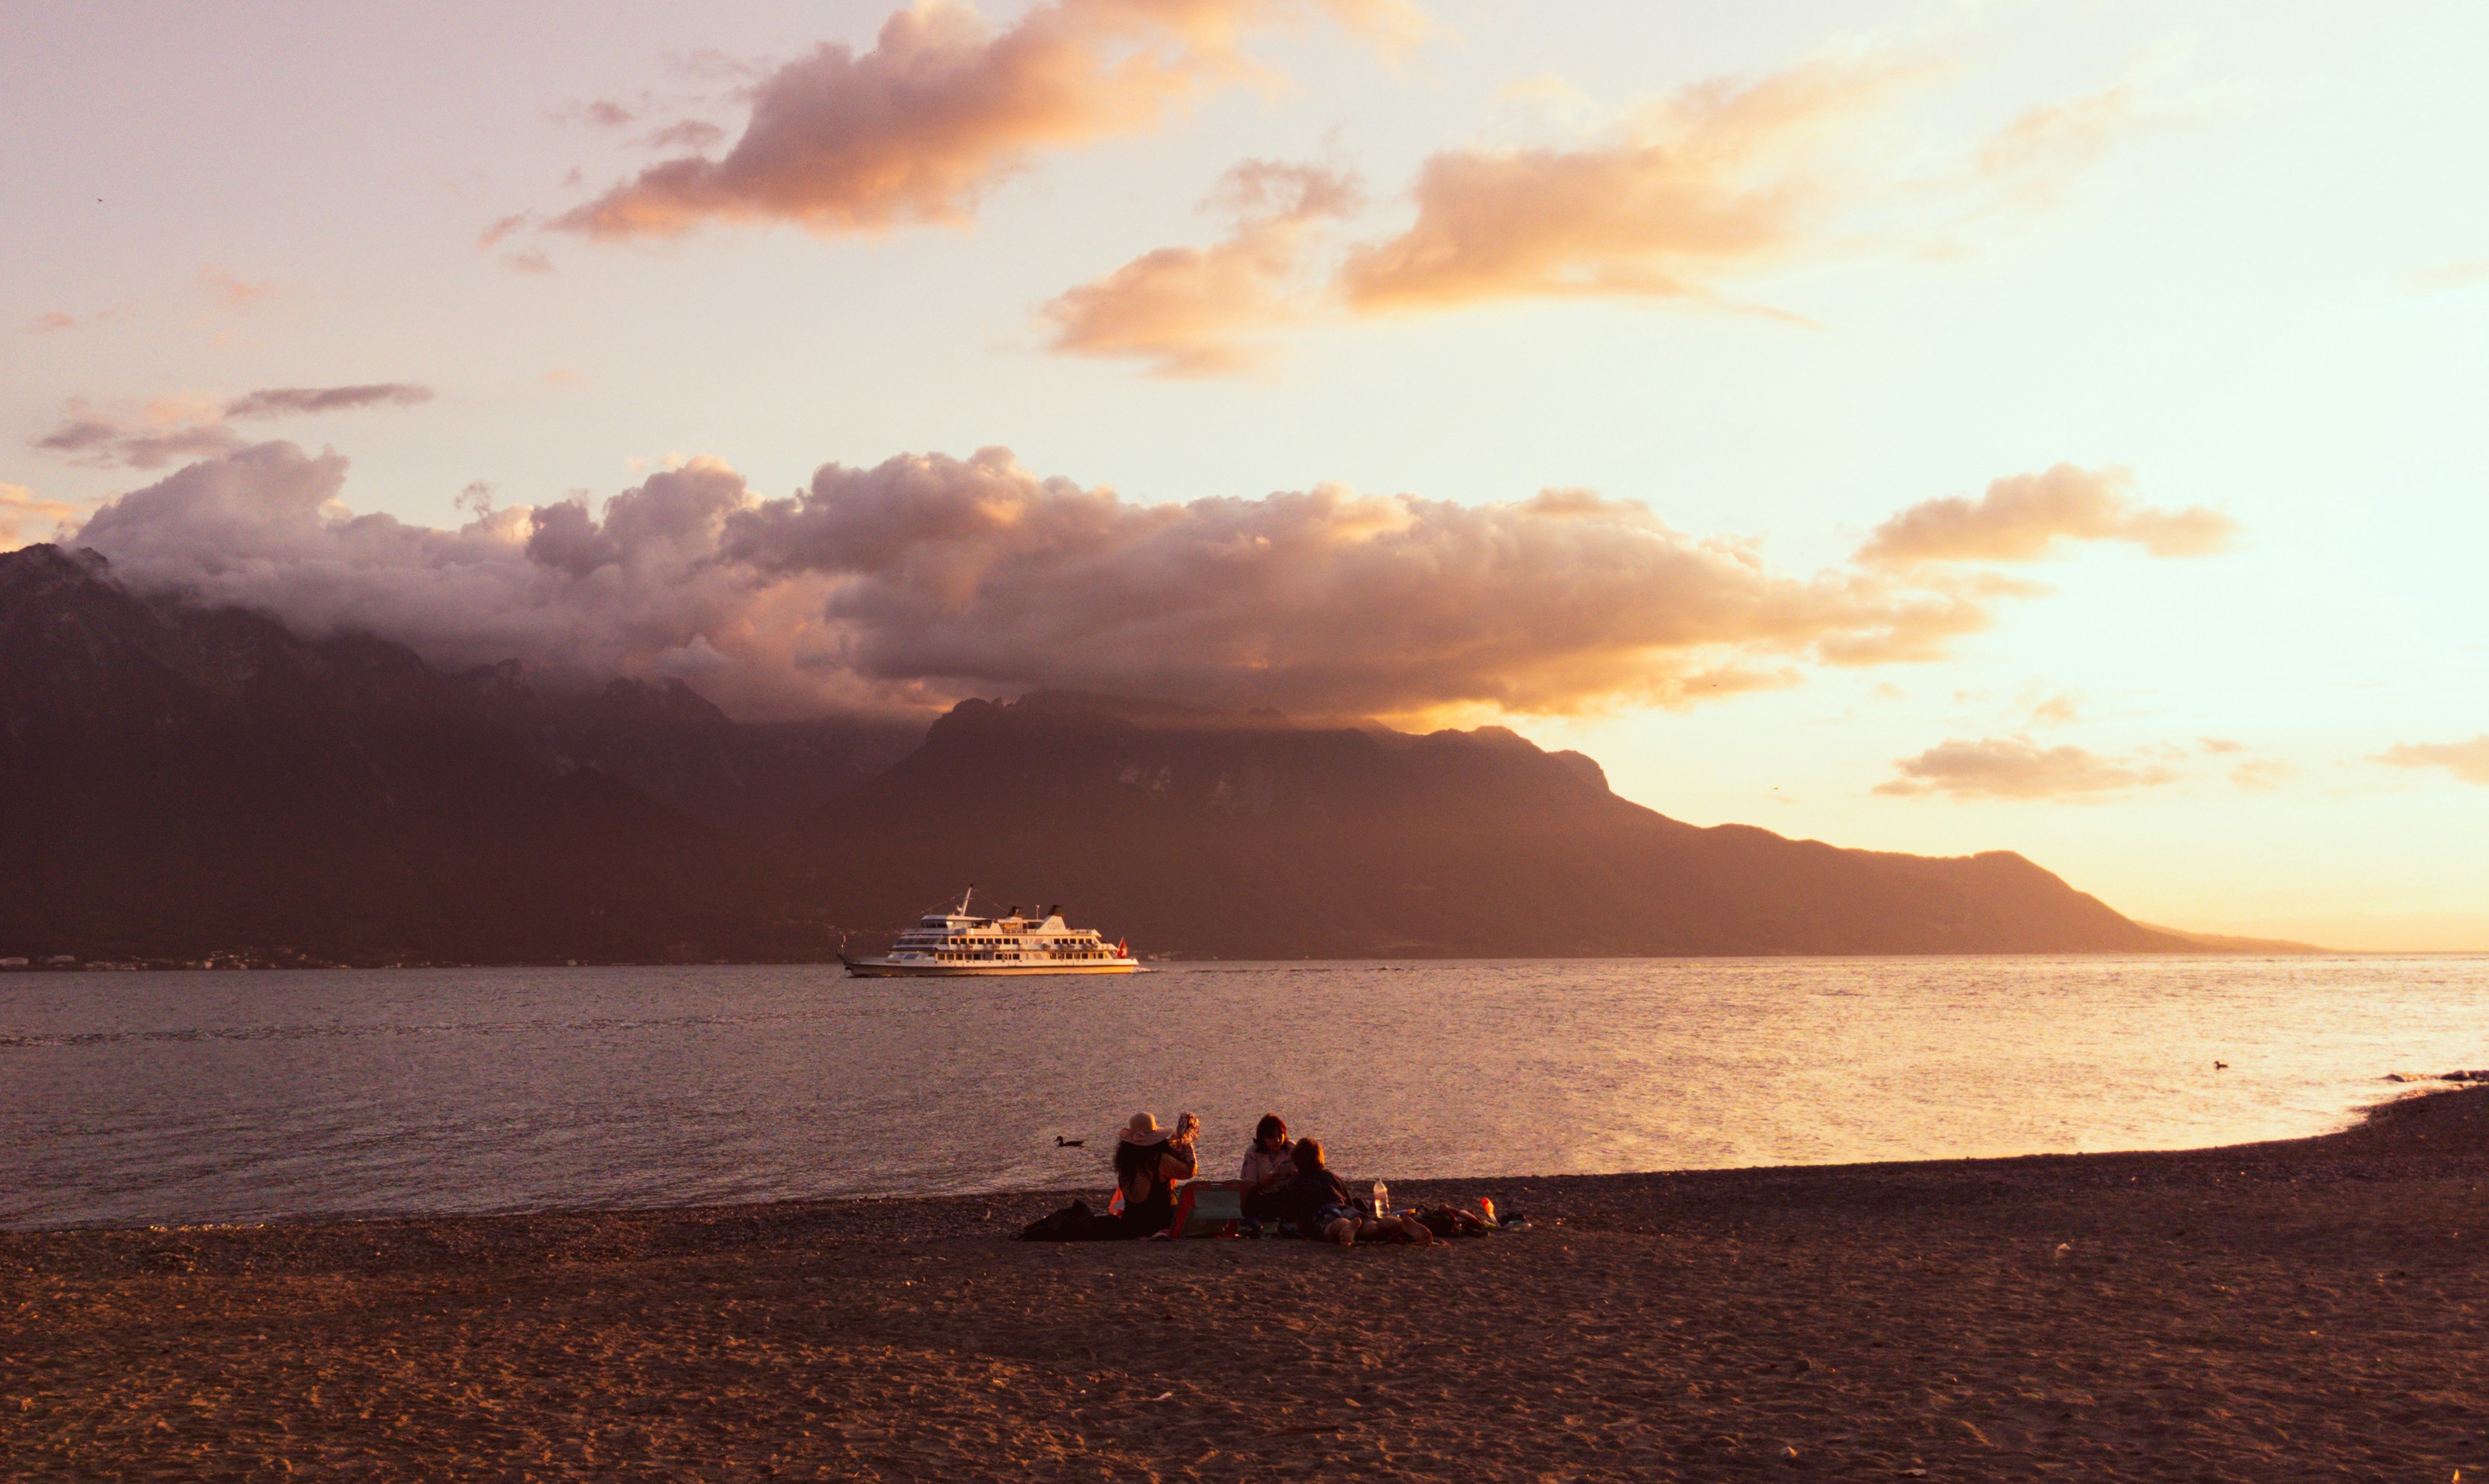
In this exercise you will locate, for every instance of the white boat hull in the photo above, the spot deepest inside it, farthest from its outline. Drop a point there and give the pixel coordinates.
(886, 968)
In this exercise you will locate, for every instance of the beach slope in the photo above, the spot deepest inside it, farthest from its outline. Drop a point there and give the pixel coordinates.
(2304, 1310)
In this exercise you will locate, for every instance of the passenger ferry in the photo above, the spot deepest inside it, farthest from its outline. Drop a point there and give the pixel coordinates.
(947, 944)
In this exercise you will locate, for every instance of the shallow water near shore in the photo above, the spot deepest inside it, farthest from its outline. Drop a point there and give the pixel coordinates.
(244, 1096)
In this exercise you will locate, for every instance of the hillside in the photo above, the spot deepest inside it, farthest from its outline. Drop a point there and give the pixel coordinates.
(1198, 834)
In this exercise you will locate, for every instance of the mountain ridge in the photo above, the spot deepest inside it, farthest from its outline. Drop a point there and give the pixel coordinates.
(1464, 843)
(187, 781)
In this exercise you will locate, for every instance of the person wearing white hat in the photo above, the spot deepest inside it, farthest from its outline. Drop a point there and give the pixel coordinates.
(1148, 1162)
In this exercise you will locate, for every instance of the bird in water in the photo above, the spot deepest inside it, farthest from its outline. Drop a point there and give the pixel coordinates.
(1060, 1142)
(2220, 1066)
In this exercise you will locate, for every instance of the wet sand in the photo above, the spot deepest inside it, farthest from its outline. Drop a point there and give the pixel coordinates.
(2316, 1309)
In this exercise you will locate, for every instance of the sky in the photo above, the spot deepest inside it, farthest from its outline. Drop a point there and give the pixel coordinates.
(1926, 427)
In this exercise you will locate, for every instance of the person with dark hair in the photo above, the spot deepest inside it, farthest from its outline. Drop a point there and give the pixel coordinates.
(1267, 1169)
(1148, 1162)
(1317, 1202)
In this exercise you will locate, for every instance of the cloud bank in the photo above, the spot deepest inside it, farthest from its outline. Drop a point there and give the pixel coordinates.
(2025, 517)
(927, 578)
(2018, 768)
(944, 108)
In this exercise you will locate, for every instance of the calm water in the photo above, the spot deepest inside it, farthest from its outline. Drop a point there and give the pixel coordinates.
(240, 1096)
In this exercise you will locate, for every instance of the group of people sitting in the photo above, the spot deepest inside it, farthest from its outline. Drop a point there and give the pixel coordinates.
(1285, 1182)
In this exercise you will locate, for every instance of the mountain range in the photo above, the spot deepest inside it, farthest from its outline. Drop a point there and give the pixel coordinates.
(181, 781)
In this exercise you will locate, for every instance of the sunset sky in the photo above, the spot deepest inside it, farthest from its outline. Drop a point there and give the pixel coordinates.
(1934, 427)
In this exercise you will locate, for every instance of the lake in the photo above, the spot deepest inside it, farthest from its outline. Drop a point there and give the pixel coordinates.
(244, 1096)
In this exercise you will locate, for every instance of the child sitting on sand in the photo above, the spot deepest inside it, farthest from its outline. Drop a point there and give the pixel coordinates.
(1318, 1203)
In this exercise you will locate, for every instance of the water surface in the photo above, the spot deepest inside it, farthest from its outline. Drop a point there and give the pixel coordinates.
(231, 1096)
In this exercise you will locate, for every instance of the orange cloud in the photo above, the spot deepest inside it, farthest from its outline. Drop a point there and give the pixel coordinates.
(1326, 601)
(1203, 311)
(2466, 760)
(51, 324)
(2023, 517)
(25, 517)
(944, 106)
(2018, 768)
(1718, 177)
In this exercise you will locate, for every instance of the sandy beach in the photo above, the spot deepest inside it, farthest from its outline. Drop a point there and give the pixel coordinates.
(2302, 1310)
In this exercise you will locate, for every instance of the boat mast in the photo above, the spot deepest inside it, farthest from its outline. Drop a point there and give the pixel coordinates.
(963, 908)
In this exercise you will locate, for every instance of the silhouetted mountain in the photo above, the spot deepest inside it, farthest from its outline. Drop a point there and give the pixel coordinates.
(1249, 838)
(178, 781)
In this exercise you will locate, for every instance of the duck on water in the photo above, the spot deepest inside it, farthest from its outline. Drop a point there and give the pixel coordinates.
(954, 943)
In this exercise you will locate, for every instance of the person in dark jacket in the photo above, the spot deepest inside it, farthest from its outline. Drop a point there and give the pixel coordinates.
(1317, 1201)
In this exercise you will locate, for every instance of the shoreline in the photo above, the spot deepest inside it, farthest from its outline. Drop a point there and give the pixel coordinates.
(2399, 1087)
(2303, 1309)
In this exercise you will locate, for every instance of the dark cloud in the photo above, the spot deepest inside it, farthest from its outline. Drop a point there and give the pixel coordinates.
(293, 401)
(165, 431)
(2023, 517)
(944, 106)
(926, 578)
(2019, 768)
(173, 429)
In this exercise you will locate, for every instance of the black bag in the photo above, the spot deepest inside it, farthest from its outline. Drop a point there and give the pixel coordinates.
(1075, 1222)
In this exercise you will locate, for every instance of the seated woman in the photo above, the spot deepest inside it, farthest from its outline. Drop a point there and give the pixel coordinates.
(1148, 1163)
(1318, 1203)
(1267, 1169)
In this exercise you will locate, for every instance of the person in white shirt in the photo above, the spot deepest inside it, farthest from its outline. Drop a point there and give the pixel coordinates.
(1268, 1168)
